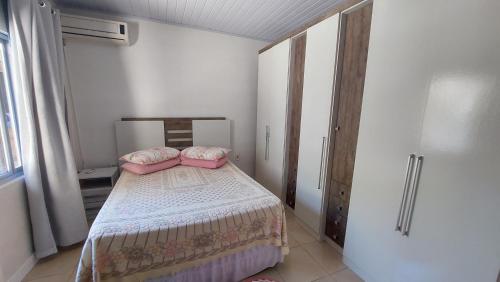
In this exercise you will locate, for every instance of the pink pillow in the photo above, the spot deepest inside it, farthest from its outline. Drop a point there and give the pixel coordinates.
(205, 153)
(151, 156)
(145, 169)
(203, 163)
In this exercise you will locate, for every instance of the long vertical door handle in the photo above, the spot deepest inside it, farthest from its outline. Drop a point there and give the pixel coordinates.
(321, 163)
(402, 207)
(268, 134)
(413, 196)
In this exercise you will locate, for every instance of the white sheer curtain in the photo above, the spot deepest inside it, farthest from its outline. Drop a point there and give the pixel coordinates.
(55, 203)
(71, 121)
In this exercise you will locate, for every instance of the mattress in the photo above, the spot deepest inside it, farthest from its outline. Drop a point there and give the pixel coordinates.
(162, 223)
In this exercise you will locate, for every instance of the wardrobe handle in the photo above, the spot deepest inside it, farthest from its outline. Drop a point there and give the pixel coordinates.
(402, 206)
(413, 196)
(321, 163)
(268, 134)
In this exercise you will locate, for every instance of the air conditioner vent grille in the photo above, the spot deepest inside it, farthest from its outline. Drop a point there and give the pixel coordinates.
(77, 27)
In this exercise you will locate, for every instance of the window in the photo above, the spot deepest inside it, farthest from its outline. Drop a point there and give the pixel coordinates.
(10, 157)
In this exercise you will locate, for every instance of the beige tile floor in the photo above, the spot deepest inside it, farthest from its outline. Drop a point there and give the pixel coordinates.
(57, 268)
(309, 260)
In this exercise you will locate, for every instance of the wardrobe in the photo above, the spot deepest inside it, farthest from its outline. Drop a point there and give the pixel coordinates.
(300, 81)
(293, 118)
(425, 199)
(407, 178)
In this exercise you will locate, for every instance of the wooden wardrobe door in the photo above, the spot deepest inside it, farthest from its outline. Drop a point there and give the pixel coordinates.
(295, 109)
(352, 70)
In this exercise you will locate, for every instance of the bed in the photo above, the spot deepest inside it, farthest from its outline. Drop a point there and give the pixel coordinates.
(185, 224)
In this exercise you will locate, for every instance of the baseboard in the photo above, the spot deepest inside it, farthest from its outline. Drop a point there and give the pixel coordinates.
(333, 245)
(308, 229)
(352, 266)
(23, 270)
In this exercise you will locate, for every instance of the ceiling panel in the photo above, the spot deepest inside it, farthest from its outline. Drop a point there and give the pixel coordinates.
(259, 19)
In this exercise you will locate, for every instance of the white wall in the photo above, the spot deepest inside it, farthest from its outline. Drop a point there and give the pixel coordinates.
(16, 255)
(168, 71)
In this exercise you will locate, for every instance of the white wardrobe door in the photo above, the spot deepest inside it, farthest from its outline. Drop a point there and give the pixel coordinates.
(455, 232)
(271, 116)
(391, 122)
(319, 70)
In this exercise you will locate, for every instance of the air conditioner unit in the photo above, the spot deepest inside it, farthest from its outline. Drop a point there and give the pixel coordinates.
(92, 28)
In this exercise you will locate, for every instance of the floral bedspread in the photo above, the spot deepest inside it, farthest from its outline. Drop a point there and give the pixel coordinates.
(179, 218)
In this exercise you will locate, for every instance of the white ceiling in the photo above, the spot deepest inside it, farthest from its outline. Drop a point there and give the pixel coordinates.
(259, 19)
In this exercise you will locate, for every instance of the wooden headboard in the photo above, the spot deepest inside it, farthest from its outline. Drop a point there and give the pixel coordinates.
(178, 131)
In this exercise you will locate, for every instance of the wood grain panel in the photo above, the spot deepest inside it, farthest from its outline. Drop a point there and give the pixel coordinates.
(180, 144)
(355, 56)
(179, 135)
(172, 125)
(295, 110)
(350, 85)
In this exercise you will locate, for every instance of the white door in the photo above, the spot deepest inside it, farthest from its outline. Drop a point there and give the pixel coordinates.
(455, 229)
(271, 116)
(389, 130)
(319, 68)
(432, 89)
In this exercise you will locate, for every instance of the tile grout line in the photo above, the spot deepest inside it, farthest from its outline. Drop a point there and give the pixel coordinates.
(301, 245)
(310, 253)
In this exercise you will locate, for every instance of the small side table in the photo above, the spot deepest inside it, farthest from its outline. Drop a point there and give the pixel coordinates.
(95, 185)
